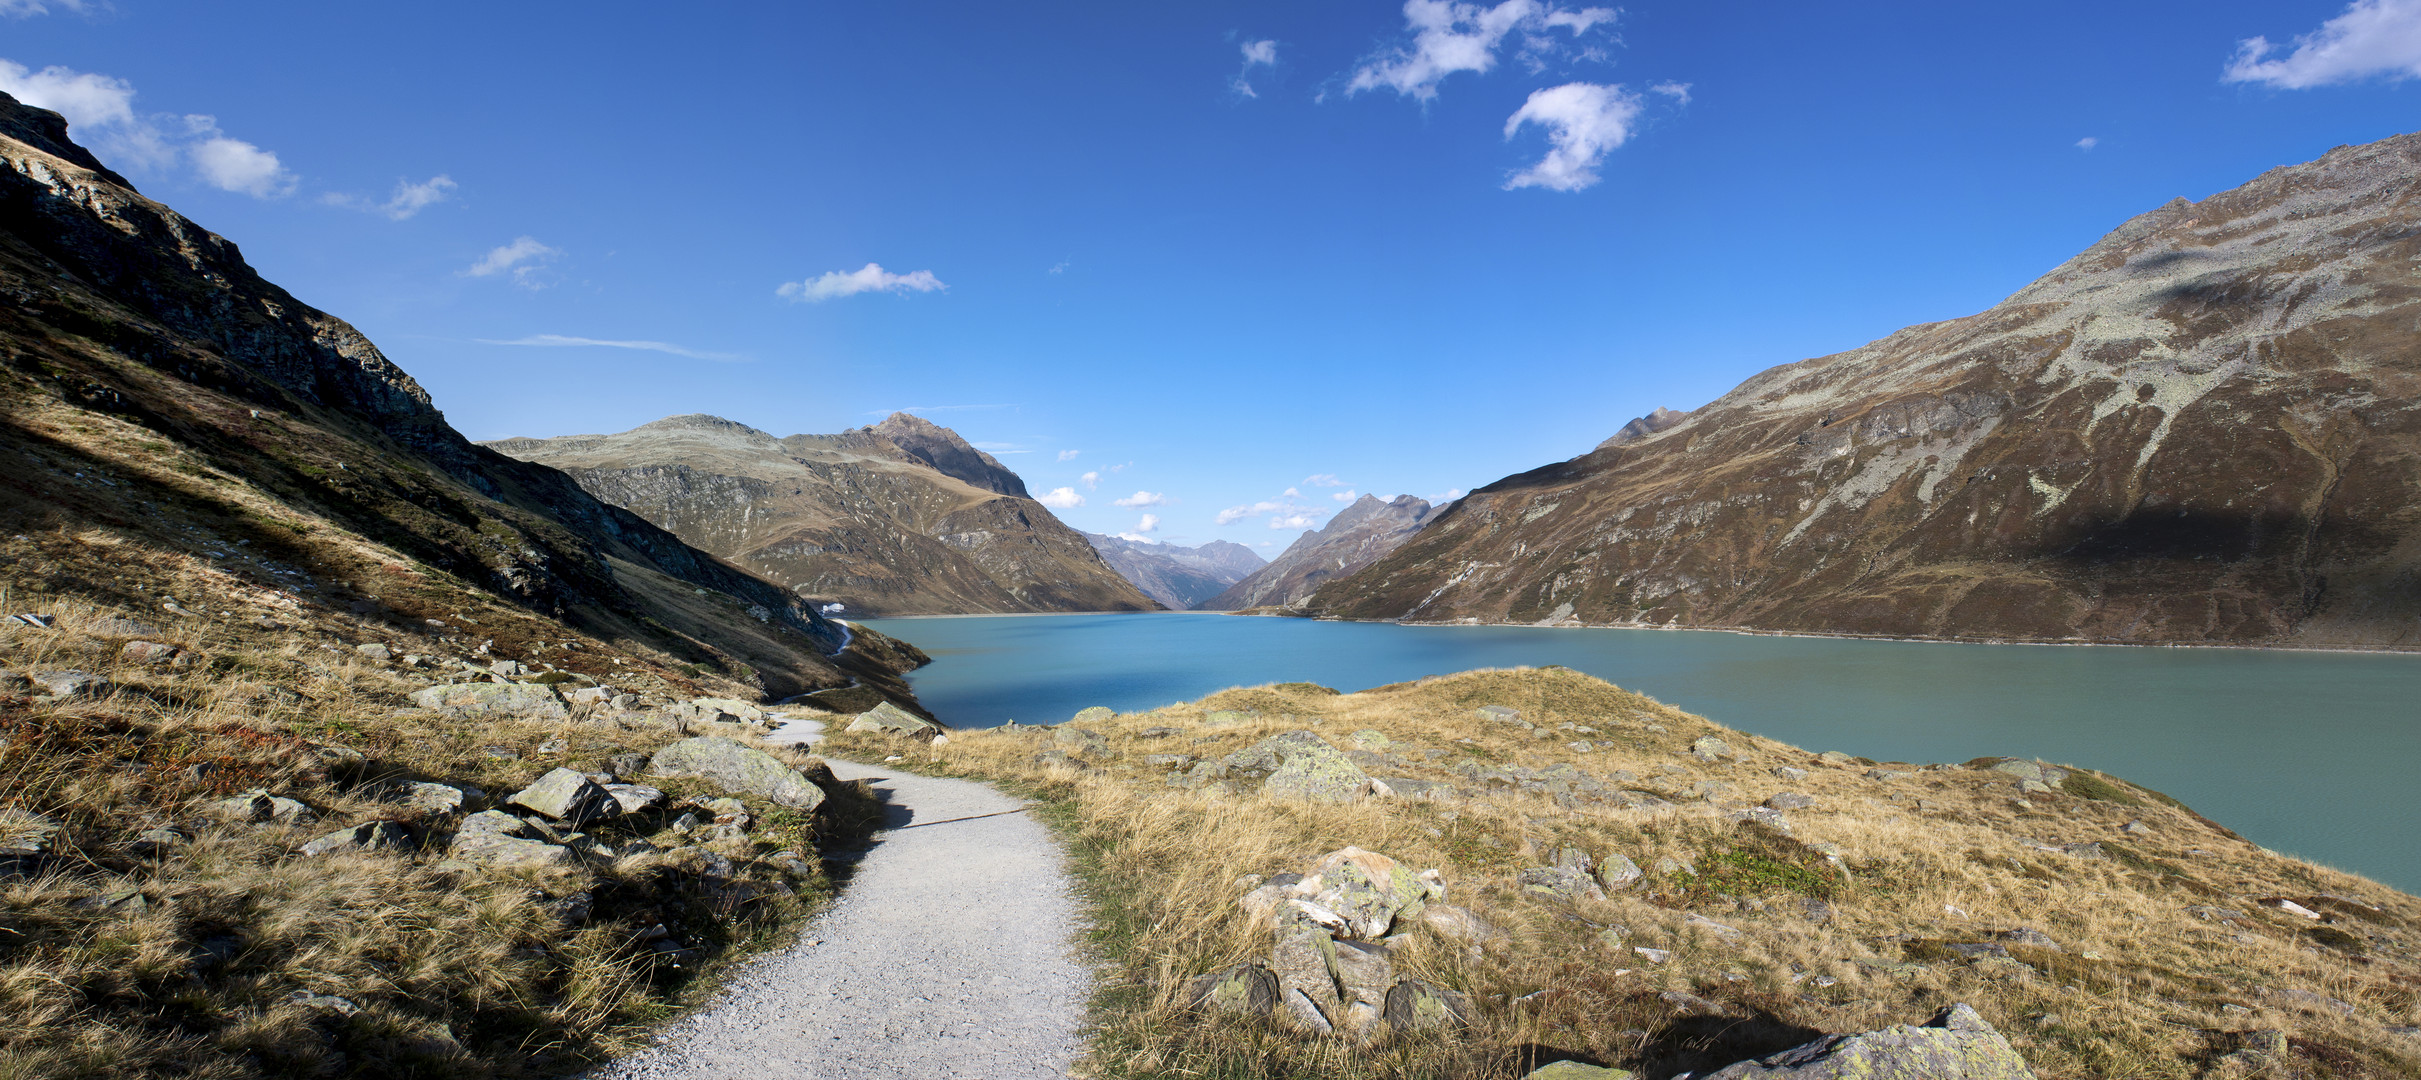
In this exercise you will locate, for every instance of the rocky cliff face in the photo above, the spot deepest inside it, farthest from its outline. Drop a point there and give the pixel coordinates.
(1178, 577)
(1357, 536)
(902, 518)
(136, 340)
(2202, 429)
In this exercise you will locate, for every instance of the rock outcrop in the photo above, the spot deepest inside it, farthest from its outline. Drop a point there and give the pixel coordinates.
(2201, 429)
(1955, 1045)
(1181, 578)
(901, 518)
(1359, 535)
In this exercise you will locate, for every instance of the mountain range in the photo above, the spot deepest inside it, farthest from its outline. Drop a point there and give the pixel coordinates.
(1355, 537)
(183, 435)
(2203, 428)
(900, 518)
(1181, 578)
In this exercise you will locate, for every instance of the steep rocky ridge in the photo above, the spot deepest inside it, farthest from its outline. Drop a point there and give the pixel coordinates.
(1178, 577)
(2202, 429)
(1357, 536)
(159, 393)
(901, 518)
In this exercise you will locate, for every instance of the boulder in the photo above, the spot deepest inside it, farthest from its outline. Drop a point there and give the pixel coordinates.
(494, 838)
(1710, 749)
(738, 769)
(1789, 800)
(1574, 1070)
(1955, 1045)
(147, 652)
(1617, 872)
(367, 836)
(253, 807)
(1367, 890)
(1790, 772)
(1564, 883)
(430, 798)
(1499, 714)
(1310, 770)
(1303, 961)
(494, 701)
(1093, 715)
(375, 652)
(70, 684)
(634, 798)
(1413, 1005)
(1243, 988)
(889, 719)
(1076, 740)
(2046, 775)
(568, 796)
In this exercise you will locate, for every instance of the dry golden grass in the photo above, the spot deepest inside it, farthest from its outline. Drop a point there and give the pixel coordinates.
(117, 961)
(2141, 987)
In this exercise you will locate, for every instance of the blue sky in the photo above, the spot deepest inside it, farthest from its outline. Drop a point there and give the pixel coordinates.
(1207, 254)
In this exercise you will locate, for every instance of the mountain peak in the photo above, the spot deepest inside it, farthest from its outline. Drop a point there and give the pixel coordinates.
(953, 456)
(46, 131)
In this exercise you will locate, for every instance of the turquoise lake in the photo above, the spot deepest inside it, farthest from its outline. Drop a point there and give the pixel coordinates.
(2310, 753)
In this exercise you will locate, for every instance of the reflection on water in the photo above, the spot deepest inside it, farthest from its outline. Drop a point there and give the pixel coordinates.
(2311, 753)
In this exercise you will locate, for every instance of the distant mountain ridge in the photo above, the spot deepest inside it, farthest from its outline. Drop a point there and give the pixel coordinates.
(2204, 428)
(1179, 577)
(1358, 535)
(900, 518)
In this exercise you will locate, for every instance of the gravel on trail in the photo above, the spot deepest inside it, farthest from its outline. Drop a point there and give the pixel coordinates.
(950, 952)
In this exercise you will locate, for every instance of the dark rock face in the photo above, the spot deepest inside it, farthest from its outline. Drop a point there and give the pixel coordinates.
(2200, 429)
(1359, 535)
(1179, 577)
(897, 519)
(118, 305)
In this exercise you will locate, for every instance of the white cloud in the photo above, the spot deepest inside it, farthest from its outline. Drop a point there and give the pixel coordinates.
(1234, 514)
(409, 198)
(868, 278)
(560, 341)
(521, 259)
(1069, 455)
(1150, 523)
(1344, 496)
(2372, 38)
(1450, 37)
(1061, 498)
(1450, 495)
(1092, 481)
(1323, 480)
(1256, 54)
(1678, 91)
(1136, 537)
(1584, 123)
(233, 164)
(1060, 267)
(1141, 498)
(87, 100)
(1296, 520)
(2087, 143)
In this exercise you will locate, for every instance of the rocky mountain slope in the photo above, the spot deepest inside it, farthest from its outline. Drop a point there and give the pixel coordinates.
(1178, 577)
(901, 518)
(2202, 429)
(1358, 535)
(160, 394)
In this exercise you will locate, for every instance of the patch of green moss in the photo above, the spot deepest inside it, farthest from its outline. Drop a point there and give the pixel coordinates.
(2086, 785)
(1759, 861)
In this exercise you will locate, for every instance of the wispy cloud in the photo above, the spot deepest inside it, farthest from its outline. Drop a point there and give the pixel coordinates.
(1326, 479)
(1256, 54)
(409, 198)
(25, 9)
(2087, 143)
(1142, 498)
(2371, 39)
(868, 278)
(920, 410)
(1451, 37)
(1150, 523)
(1092, 481)
(1060, 498)
(1584, 123)
(561, 341)
(1450, 495)
(1069, 455)
(521, 259)
(1345, 496)
(1678, 91)
(1295, 520)
(1060, 267)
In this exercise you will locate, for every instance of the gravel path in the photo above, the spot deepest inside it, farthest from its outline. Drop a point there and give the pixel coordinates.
(949, 953)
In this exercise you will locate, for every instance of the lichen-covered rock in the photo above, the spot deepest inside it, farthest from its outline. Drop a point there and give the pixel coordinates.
(738, 769)
(1093, 715)
(1243, 988)
(430, 798)
(569, 796)
(147, 652)
(1369, 891)
(367, 836)
(1304, 959)
(1617, 872)
(1955, 1045)
(494, 701)
(1076, 740)
(1301, 765)
(1564, 883)
(494, 838)
(1413, 1005)
(70, 684)
(634, 798)
(1710, 749)
(256, 806)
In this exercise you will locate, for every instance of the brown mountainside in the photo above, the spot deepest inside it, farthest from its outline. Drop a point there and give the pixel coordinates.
(1358, 535)
(168, 410)
(902, 518)
(2202, 429)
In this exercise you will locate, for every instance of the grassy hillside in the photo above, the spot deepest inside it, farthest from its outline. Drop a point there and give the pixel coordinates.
(2107, 930)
